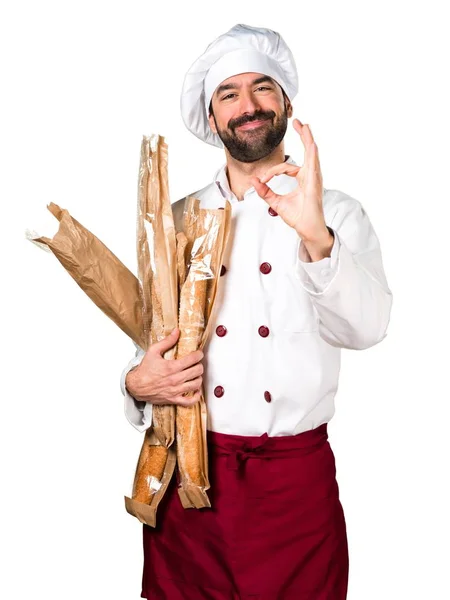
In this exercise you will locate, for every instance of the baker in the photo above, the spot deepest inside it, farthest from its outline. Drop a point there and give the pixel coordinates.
(302, 278)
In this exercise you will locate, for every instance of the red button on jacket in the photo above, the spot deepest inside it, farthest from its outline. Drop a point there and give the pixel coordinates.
(219, 391)
(272, 213)
(267, 397)
(221, 330)
(265, 268)
(263, 331)
(223, 270)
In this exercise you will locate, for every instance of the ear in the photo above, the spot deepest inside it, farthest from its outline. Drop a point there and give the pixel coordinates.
(289, 109)
(212, 124)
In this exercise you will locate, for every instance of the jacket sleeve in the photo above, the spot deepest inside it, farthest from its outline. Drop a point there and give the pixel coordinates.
(138, 413)
(349, 288)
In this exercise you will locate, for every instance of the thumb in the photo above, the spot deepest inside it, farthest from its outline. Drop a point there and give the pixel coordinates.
(168, 342)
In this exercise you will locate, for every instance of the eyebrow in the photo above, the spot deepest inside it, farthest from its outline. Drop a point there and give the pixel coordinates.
(233, 86)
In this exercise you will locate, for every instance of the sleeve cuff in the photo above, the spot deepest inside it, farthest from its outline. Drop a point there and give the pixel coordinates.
(317, 276)
(137, 412)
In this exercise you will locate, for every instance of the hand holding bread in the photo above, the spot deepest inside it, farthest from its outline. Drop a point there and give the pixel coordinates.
(161, 381)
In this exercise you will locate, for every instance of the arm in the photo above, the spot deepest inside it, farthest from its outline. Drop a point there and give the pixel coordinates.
(348, 288)
(138, 413)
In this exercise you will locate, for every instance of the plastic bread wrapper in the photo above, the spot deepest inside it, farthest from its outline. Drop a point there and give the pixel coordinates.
(154, 471)
(98, 272)
(207, 232)
(158, 264)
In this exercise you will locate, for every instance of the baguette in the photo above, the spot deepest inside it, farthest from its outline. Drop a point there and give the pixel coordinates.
(190, 447)
(188, 419)
(151, 464)
(182, 242)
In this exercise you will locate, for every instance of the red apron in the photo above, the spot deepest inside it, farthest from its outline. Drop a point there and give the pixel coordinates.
(276, 529)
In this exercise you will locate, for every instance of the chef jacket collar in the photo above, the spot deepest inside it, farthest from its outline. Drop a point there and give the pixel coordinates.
(221, 181)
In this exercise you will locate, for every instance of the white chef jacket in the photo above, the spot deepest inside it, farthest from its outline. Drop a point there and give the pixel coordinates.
(272, 361)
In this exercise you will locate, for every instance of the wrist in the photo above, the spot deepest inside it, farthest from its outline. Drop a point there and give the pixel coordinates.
(130, 382)
(320, 247)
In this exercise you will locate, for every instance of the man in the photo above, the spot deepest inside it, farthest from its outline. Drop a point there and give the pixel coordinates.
(302, 278)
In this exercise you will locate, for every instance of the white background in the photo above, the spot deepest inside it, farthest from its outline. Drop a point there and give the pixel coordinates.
(83, 81)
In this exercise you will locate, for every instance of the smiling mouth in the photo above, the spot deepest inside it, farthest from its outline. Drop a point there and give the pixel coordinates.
(252, 125)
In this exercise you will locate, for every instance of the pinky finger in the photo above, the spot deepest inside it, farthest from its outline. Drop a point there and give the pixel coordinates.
(188, 400)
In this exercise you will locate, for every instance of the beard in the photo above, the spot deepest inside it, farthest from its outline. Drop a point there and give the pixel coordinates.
(250, 145)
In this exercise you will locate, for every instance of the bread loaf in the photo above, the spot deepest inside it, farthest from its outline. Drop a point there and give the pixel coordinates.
(151, 464)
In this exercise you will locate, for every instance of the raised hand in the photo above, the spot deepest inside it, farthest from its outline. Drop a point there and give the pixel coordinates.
(302, 208)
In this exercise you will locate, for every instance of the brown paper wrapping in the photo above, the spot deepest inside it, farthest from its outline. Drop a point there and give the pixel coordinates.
(99, 273)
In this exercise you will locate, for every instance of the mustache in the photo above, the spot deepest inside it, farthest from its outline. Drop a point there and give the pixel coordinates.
(257, 116)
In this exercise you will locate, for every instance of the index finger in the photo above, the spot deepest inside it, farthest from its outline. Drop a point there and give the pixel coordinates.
(282, 168)
(188, 361)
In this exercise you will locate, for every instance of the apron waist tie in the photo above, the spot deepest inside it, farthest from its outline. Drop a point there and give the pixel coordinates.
(237, 457)
(239, 449)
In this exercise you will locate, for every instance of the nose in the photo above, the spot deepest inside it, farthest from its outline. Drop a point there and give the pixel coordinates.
(248, 103)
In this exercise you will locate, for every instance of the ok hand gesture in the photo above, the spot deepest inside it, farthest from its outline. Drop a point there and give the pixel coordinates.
(302, 208)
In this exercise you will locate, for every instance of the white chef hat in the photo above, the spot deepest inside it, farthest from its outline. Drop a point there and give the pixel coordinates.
(243, 49)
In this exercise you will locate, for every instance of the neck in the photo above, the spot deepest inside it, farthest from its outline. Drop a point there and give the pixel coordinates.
(239, 173)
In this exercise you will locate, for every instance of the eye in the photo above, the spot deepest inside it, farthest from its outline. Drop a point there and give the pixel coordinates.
(261, 87)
